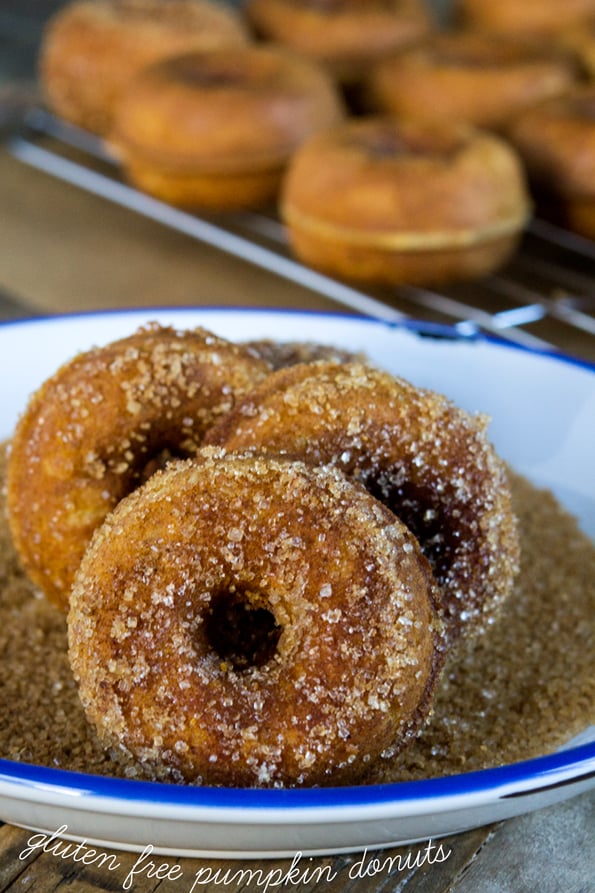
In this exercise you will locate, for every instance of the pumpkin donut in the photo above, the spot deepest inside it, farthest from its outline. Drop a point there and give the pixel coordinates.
(216, 129)
(346, 36)
(91, 49)
(479, 80)
(254, 622)
(378, 200)
(427, 460)
(102, 423)
(556, 140)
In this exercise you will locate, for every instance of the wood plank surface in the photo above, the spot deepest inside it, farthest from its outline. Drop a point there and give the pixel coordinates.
(372, 872)
(549, 851)
(65, 251)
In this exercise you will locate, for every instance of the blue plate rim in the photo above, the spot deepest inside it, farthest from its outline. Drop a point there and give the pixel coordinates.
(449, 331)
(524, 778)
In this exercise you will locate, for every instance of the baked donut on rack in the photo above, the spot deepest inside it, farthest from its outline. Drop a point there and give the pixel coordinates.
(254, 622)
(430, 462)
(101, 424)
(92, 48)
(478, 80)
(216, 130)
(384, 201)
(346, 36)
(556, 140)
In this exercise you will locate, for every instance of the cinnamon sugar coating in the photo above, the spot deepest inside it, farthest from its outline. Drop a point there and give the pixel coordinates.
(103, 422)
(427, 460)
(254, 621)
(520, 690)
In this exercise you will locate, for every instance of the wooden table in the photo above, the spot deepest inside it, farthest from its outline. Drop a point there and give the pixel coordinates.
(63, 250)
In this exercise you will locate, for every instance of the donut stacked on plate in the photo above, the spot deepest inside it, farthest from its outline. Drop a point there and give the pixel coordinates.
(274, 609)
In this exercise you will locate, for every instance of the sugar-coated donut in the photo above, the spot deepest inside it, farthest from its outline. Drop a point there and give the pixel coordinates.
(254, 622)
(378, 200)
(478, 79)
(92, 48)
(216, 130)
(100, 425)
(556, 140)
(344, 35)
(427, 460)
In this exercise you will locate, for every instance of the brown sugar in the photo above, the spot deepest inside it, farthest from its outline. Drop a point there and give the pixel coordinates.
(521, 689)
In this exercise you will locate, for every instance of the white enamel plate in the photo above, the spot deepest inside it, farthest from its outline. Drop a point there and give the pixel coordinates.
(543, 423)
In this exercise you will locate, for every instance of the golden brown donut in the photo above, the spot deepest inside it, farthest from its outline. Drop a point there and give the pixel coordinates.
(254, 622)
(344, 35)
(92, 48)
(470, 76)
(378, 200)
(523, 17)
(216, 129)
(103, 422)
(430, 462)
(556, 140)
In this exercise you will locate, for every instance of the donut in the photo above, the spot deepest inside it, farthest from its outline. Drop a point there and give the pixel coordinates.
(253, 622)
(381, 201)
(101, 424)
(92, 48)
(556, 140)
(530, 18)
(215, 130)
(343, 35)
(427, 460)
(479, 80)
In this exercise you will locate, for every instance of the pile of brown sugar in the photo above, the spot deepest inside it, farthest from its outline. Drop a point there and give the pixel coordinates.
(522, 689)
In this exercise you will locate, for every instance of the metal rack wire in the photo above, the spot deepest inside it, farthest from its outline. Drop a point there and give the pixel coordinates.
(544, 298)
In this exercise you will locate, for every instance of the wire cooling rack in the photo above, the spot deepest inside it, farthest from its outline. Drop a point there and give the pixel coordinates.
(544, 298)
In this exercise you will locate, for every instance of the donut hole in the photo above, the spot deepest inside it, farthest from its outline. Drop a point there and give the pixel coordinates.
(158, 461)
(242, 630)
(389, 142)
(191, 70)
(415, 506)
